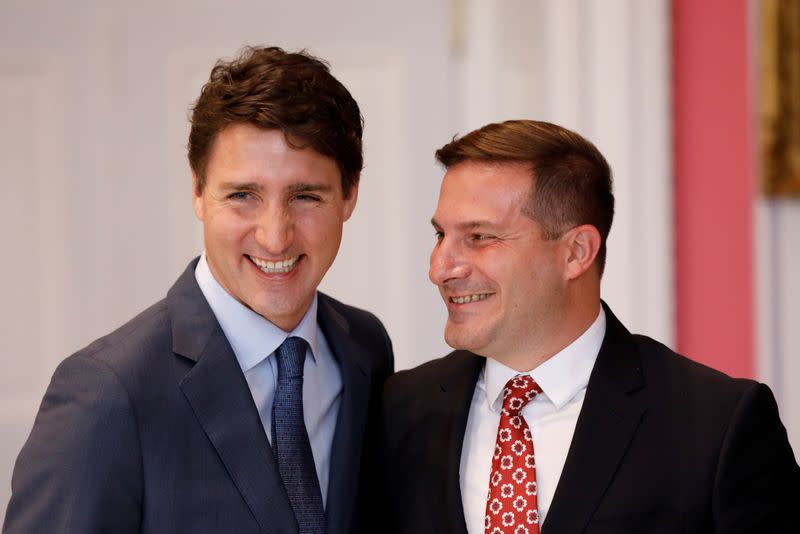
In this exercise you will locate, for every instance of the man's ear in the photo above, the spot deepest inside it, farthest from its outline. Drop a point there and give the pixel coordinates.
(197, 198)
(350, 202)
(583, 244)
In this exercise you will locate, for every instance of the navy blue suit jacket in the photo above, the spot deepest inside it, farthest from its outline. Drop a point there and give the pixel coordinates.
(152, 429)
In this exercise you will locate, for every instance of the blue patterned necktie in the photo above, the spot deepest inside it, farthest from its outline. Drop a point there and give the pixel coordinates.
(290, 443)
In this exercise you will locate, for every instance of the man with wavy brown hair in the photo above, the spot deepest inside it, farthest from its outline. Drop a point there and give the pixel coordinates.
(242, 401)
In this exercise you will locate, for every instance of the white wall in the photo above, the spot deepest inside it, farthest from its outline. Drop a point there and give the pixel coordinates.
(94, 97)
(601, 69)
(777, 253)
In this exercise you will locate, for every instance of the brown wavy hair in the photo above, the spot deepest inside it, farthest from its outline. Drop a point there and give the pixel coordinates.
(571, 178)
(274, 89)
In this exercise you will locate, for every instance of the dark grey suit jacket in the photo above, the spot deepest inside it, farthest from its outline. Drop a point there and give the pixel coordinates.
(152, 429)
(662, 444)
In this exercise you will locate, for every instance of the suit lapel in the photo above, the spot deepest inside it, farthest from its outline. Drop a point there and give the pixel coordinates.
(608, 421)
(346, 449)
(216, 389)
(455, 397)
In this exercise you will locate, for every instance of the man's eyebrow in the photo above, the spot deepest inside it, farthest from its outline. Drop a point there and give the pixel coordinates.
(466, 225)
(241, 186)
(309, 187)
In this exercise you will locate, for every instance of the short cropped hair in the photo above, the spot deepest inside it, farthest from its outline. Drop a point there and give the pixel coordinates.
(273, 89)
(571, 178)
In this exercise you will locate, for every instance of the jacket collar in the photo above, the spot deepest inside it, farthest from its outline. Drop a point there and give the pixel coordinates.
(216, 389)
(611, 413)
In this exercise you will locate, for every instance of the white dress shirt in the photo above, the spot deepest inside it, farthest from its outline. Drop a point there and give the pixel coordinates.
(551, 416)
(254, 341)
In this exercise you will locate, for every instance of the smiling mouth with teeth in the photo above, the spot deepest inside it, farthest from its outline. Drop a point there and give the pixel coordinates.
(280, 266)
(466, 299)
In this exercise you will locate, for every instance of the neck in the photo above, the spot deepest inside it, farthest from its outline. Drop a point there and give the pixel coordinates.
(562, 330)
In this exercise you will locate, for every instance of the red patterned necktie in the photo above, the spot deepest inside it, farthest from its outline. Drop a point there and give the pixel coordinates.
(511, 507)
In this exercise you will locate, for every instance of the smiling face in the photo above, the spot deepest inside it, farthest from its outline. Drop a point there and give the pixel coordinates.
(504, 285)
(272, 220)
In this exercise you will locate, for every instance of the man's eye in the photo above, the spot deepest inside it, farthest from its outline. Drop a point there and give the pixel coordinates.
(439, 235)
(305, 197)
(481, 237)
(239, 195)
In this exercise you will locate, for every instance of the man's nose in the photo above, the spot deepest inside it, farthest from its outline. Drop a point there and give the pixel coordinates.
(275, 230)
(447, 263)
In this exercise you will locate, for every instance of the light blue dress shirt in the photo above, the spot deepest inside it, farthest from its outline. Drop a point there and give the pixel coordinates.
(254, 341)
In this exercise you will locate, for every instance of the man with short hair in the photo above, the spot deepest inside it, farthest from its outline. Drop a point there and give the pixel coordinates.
(550, 416)
(243, 401)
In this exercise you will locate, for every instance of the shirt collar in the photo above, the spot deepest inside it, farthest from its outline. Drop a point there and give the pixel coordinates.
(561, 377)
(252, 337)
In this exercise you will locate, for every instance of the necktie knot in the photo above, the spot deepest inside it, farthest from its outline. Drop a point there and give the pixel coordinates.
(518, 392)
(291, 357)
